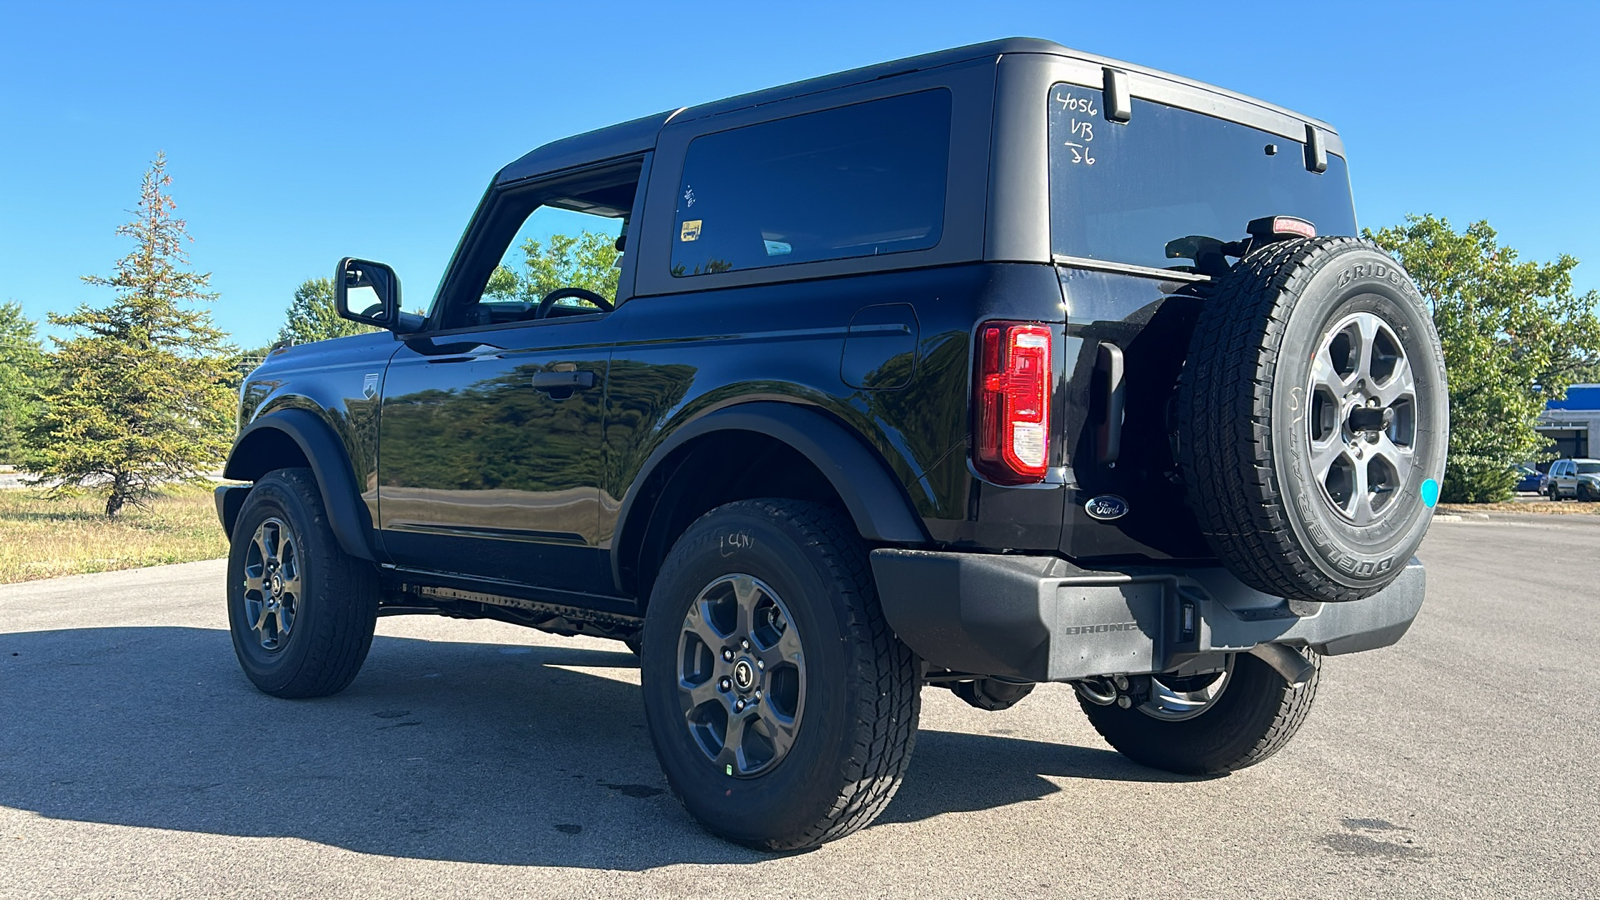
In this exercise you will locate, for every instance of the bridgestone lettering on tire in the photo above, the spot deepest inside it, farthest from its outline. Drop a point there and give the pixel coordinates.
(843, 733)
(300, 629)
(1311, 410)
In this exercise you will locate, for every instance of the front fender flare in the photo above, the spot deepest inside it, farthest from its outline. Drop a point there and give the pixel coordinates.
(329, 462)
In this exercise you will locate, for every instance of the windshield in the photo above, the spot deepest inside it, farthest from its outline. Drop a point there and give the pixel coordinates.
(1120, 192)
(1589, 468)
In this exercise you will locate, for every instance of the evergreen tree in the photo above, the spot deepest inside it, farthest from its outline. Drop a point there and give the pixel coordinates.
(21, 367)
(140, 393)
(312, 316)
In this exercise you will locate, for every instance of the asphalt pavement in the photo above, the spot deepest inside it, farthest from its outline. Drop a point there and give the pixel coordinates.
(475, 759)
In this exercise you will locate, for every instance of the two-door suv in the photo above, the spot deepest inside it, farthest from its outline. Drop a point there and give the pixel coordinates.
(996, 366)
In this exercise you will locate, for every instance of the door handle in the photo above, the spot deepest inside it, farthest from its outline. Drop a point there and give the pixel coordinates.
(556, 381)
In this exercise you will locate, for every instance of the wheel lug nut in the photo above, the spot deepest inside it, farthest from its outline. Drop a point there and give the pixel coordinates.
(761, 664)
(738, 706)
(725, 684)
(758, 693)
(727, 654)
(745, 645)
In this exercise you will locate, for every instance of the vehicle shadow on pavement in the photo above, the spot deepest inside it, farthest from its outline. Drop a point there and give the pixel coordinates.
(468, 752)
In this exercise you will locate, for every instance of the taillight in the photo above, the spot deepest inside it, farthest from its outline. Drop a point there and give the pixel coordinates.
(1011, 395)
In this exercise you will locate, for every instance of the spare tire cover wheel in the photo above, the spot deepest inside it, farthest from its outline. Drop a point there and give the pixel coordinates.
(1343, 379)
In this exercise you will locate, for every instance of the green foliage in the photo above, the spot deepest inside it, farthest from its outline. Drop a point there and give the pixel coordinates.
(587, 261)
(1515, 335)
(312, 316)
(140, 393)
(22, 364)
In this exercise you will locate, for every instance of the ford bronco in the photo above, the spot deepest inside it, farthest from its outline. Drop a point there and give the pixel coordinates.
(996, 366)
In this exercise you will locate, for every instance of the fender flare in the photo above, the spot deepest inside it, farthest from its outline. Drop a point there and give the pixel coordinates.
(330, 463)
(874, 498)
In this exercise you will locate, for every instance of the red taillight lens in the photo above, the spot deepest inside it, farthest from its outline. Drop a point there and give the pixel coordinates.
(1011, 396)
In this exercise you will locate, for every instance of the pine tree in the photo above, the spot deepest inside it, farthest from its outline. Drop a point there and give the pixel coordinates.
(140, 394)
(21, 365)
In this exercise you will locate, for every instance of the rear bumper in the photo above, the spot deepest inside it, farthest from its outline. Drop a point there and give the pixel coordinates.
(1041, 618)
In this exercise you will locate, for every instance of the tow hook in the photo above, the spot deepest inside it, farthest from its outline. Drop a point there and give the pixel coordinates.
(1125, 691)
(1285, 661)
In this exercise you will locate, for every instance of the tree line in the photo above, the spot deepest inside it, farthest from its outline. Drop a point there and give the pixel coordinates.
(141, 390)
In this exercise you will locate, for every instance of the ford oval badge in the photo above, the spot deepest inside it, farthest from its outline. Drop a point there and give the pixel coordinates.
(1106, 507)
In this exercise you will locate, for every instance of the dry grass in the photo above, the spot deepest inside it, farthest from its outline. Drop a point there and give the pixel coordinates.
(1526, 507)
(44, 537)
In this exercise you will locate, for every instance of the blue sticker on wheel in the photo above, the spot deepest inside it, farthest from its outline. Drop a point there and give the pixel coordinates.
(1430, 493)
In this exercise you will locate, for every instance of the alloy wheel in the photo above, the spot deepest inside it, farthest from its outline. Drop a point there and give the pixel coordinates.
(272, 583)
(741, 675)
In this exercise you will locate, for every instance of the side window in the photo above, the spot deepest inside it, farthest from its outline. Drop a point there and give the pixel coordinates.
(556, 248)
(545, 251)
(859, 180)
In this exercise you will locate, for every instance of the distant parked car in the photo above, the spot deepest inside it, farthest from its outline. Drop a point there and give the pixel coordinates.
(1531, 480)
(1579, 478)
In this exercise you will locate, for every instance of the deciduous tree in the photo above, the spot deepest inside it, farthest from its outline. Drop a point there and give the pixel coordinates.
(140, 391)
(312, 316)
(1515, 335)
(588, 260)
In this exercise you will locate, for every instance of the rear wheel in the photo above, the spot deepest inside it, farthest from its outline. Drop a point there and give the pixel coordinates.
(782, 708)
(1212, 724)
(301, 611)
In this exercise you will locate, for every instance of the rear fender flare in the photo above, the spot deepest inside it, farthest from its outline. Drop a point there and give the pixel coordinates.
(872, 495)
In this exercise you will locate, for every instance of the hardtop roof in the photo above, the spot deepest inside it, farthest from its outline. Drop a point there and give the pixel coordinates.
(639, 135)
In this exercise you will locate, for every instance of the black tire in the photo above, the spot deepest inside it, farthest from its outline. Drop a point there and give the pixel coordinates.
(1286, 518)
(334, 606)
(857, 722)
(1254, 717)
(1585, 493)
(1553, 493)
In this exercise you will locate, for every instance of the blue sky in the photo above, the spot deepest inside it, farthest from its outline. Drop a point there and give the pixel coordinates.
(299, 133)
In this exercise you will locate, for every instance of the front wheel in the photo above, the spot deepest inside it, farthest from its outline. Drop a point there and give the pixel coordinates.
(302, 612)
(1213, 724)
(782, 707)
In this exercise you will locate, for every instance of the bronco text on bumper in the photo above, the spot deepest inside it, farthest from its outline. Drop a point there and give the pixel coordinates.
(991, 367)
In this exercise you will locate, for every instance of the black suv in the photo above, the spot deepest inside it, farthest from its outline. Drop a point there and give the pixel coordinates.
(996, 366)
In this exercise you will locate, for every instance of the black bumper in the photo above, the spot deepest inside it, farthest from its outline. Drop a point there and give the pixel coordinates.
(229, 499)
(1040, 618)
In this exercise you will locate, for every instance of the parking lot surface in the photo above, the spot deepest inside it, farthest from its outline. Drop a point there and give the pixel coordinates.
(475, 759)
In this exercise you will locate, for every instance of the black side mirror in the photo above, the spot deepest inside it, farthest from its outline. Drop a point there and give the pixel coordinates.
(367, 292)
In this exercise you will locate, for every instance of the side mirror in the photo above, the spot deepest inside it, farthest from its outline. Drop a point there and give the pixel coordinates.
(367, 292)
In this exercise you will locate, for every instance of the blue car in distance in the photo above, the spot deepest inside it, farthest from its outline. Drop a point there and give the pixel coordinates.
(1531, 480)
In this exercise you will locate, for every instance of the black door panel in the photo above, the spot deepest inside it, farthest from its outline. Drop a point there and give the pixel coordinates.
(489, 461)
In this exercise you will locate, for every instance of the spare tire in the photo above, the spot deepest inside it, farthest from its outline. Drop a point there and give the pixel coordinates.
(1313, 419)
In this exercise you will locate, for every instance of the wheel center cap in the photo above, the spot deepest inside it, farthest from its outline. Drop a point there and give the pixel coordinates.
(275, 584)
(744, 675)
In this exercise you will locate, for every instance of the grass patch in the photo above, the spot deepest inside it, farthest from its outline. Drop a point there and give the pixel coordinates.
(44, 537)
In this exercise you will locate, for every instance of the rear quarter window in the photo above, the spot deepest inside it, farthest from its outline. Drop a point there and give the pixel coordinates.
(860, 180)
(1120, 192)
